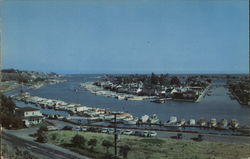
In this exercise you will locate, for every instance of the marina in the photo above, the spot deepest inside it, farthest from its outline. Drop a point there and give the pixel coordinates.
(85, 115)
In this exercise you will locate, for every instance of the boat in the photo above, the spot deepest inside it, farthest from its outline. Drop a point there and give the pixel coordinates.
(202, 122)
(223, 123)
(108, 117)
(153, 119)
(121, 97)
(144, 118)
(212, 123)
(171, 122)
(181, 122)
(129, 121)
(234, 123)
(160, 101)
(191, 122)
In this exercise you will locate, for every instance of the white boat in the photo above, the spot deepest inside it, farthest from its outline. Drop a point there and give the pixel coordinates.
(108, 117)
(144, 118)
(121, 97)
(212, 122)
(129, 121)
(224, 123)
(234, 123)
(181, 122)
(153, 119)
(172, 121)
(191, 122)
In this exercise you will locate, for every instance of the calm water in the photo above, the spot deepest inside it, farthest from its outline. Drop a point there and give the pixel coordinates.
(218, 105)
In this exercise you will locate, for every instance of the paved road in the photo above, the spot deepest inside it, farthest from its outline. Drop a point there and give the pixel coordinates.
(45, 150)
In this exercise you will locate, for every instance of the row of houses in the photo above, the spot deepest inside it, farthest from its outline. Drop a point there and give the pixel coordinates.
(31, 116)
(185, 92)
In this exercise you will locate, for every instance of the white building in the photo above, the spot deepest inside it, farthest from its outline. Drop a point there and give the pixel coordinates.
(30, 116)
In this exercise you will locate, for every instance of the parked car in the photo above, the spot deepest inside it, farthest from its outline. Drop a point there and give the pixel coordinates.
(94, 129)
(111, 130)
(179, 136)
(77, 128)
(200, 137)
(145, 133)
(152, 133)
(119, 131)
(104, 130)
(127, 132)
(67, 127)
(84, 128)
(138, 133)
(52, 128)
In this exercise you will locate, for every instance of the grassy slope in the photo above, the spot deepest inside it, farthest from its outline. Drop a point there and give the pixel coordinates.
(154, 148)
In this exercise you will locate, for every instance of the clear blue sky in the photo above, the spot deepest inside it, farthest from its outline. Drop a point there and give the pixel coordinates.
(127, 36)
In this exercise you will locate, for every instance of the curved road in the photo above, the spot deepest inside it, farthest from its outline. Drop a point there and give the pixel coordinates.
(44, 150)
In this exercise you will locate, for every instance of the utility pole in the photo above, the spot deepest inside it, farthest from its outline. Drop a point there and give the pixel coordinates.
(115, 136)
(1, 52)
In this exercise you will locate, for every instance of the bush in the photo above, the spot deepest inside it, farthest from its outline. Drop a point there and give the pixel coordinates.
(107, 144)
(78, 141)
(92, 143)
(124, 150)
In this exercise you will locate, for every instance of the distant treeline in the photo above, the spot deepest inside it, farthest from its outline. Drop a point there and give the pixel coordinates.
(24, 76)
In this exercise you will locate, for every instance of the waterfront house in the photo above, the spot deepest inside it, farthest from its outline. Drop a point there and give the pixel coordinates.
(30, 116)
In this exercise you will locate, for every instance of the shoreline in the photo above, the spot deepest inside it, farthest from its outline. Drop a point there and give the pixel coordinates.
(7, 86)
(89, 86)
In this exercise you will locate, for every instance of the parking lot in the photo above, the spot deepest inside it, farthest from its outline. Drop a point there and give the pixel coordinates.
(161, 134)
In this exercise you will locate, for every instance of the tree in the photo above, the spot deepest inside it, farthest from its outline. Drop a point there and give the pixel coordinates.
(162, 79)
(7, 105)
(7, 116)
(107, 144)
(124, 150)
(78, 141)
(175, 81)
(92, 143)
(154, 79)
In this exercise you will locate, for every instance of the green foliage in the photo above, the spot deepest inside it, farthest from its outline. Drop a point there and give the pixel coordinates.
(152, 141)
(7, 116)
(175, 81)
(154, 79)
(7, 105)
(162, 80)
(78, 141)
(92, 143)
(107, 144)
(124, 150)
(41, 130)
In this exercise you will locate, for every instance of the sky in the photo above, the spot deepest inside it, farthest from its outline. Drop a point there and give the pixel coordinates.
(126, 36)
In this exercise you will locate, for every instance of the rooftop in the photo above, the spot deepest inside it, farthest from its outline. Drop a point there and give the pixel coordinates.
(26, 109)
